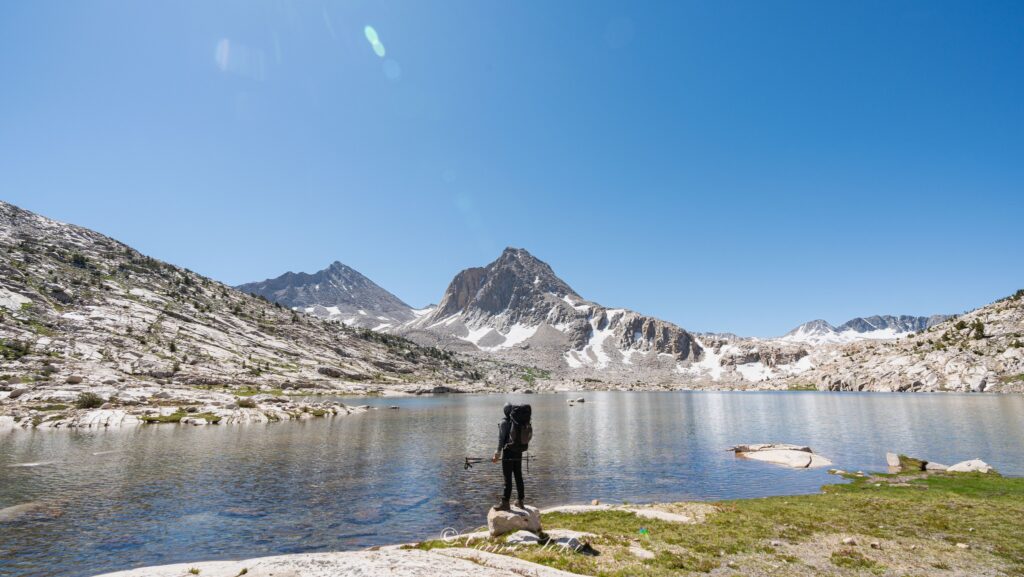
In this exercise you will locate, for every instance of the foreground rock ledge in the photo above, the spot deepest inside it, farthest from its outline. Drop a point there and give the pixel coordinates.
(455, 562)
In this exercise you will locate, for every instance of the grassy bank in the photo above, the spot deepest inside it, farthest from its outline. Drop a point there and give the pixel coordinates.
(965, 524)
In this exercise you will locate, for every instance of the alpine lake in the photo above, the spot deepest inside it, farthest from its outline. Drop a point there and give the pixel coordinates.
(103, 500)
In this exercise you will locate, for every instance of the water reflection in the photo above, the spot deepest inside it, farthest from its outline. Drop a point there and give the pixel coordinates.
(106, 500)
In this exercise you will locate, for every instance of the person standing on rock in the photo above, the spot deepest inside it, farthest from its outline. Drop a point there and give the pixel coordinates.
(514, 434)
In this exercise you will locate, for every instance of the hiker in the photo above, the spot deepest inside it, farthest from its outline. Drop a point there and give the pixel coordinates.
(514, 434)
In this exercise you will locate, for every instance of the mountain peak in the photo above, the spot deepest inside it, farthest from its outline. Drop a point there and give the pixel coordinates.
(511, 284)
(338, 291)
(512, 251)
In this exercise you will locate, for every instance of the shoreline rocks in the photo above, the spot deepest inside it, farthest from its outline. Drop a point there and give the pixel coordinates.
(971, 466)
(55, 409)
(899, 463)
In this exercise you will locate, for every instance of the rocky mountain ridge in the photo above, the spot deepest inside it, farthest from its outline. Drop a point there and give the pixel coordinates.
(877, 327)
(338, 292)
(83, 313)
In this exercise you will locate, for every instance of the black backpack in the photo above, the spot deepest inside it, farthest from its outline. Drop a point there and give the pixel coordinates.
(521, 431)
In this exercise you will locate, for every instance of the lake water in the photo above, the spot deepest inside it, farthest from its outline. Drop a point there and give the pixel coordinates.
(110, 500)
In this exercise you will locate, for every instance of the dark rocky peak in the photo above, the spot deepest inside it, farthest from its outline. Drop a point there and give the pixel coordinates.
(516, 283)
(517, 265)
(338, 285)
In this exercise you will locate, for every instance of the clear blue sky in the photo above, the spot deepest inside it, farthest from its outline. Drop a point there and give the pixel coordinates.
(729, 166)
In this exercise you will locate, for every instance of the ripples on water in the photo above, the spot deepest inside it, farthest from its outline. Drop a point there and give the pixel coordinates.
(109, 500)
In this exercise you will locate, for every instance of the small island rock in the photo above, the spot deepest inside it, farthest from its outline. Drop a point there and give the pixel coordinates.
(796, 456)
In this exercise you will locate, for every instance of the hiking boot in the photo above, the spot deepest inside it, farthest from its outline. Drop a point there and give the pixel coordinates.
(519, 503)
(503, 506)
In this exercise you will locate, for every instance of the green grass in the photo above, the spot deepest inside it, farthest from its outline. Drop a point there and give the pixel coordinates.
(251, 391)
(935, 512)
(13, 350)
(53, 407)
(531, 374)
(41, 329)
(1013, 378)
(174, 417)
(802, 387)
(852, 559)
(177, 416)
(910, 464)
(210, 417)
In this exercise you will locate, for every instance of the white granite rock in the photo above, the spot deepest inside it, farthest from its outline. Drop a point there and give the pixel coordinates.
(788, 457)
(505, 522)
(892, 459)
(971, 466)
(450, 562)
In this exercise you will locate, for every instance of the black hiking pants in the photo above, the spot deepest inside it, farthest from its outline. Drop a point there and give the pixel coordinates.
(512, 465)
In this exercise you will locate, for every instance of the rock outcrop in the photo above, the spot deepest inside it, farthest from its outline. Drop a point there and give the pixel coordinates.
(980, 351)
(505, 522)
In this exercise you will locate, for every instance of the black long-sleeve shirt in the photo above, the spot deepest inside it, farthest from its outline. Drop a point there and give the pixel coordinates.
(504, 430)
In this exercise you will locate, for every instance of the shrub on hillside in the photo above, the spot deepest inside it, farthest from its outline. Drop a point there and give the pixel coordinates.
(89, 401)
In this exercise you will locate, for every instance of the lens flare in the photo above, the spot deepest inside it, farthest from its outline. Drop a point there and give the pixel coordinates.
(371, 35)
(374, 40)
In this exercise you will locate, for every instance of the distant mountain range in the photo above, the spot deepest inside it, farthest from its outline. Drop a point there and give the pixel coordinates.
(878, 327)
(507, 302)
(518, 310)
(76, 302)
(338, 292)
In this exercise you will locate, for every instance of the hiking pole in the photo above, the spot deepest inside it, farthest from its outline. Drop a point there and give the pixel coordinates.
(470, 461)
